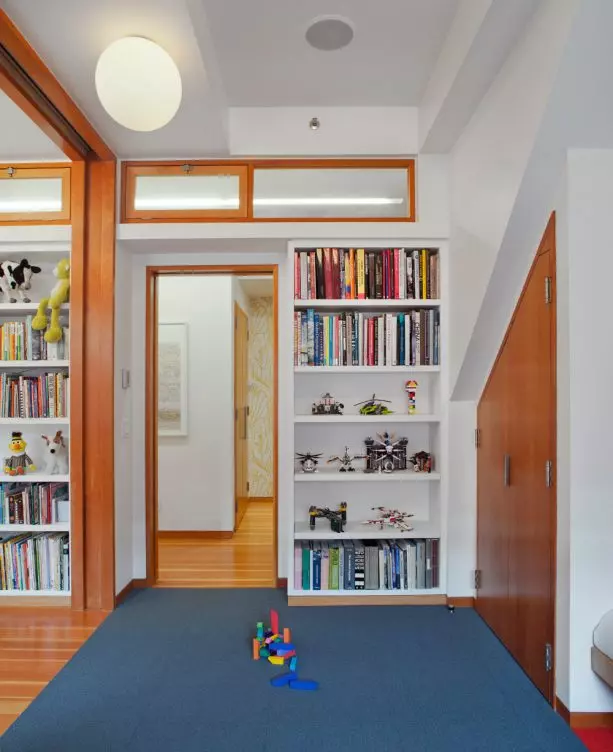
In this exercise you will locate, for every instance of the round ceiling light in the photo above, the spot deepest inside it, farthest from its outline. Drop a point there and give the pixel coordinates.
(329, 33)
(138, 84)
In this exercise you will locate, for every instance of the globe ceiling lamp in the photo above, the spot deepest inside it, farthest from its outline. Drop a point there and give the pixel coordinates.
(138, 84)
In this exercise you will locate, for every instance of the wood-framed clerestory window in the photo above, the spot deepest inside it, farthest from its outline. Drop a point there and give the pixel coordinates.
(34, 194)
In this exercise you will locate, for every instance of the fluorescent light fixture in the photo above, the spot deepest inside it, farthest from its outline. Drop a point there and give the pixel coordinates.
(138, 84)
(30, 205)
(381, 201)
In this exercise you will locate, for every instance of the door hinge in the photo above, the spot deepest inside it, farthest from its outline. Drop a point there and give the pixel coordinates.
(547, 289)
(477, 438)
(548, 474)
(477, 579)
(236, 413)
(247, 486)
(548, 657)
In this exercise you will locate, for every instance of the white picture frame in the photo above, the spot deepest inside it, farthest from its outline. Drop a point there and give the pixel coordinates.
(172, 378)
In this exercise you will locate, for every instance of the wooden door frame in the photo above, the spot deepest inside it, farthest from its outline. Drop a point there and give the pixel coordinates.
(547, 244)
(238, 308)
(152, 274)
(31, 85)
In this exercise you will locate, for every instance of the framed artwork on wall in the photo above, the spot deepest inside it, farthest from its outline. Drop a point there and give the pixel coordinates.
(172, 379)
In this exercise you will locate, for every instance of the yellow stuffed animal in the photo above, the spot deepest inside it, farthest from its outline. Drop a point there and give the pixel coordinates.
(59, 295)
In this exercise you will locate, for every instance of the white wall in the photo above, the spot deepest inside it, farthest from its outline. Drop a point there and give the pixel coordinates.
(590, 375)
(196, 472)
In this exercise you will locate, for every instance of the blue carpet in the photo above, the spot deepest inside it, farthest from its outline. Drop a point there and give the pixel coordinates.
(171, 671)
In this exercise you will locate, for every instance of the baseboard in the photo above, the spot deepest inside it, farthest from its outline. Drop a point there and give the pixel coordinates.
(261, 499)
(282, 583)
(583, 720)
(367, 600)
(200, 534)
(35, 601)
(461, 601)
(132, 585)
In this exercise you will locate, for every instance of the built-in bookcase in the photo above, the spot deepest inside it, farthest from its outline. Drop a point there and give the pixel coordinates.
(43, 528)
(349, 378)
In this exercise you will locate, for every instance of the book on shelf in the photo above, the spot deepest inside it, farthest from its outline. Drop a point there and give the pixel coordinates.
(367, 565)
(367, 339)
(364, 274)
(42, 396)
(33, 504)
(33, 562)
(18, 341)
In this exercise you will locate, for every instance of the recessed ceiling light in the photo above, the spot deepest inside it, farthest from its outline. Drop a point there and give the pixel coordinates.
(138, 84)
(329, 33)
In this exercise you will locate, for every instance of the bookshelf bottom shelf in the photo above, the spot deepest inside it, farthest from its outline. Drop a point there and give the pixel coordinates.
(430, 597)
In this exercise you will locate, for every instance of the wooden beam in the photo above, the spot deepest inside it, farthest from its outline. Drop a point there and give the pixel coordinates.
(25, 78)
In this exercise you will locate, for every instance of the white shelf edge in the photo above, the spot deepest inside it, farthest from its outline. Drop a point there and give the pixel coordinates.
(31, 593)
(398, 476)
(56, 527)
(21, 307)
(394, 418)
(34, 364)
(365, 593)
(34, 478)
(34, 421)
(367, 369)
(358, 531)
(346, 303)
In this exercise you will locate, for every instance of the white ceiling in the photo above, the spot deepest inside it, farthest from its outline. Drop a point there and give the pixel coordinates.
(21, 140)
(233, 53)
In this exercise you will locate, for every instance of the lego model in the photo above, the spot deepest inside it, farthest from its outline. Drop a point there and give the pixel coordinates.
(374, 406)
(327, 405)
(278, 650)
(422, 462)
(346, 461)
(385, 453)
(411, 389)
(391, 518)
(19, 463)
(337, 517)
(308, 461)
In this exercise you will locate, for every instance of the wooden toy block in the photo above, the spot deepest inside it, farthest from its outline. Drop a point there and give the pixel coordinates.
(304, 684)
(256, 649)
(283, 680)
(286, 653)
(260, 630)
(276, 660)
(264, 652)
(293, 664)
(287, 635)
(274, 621)
(272, 638)
(284, 646)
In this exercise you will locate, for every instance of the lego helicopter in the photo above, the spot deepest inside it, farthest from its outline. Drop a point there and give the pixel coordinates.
(308, 461)
(386, 453)
(391, 518)
(346, 461)
(374, 406)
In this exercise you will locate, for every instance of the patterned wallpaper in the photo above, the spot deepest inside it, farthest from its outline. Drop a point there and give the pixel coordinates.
(260, 396)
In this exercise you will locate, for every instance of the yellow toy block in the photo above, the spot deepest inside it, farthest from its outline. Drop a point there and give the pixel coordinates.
(276, 660)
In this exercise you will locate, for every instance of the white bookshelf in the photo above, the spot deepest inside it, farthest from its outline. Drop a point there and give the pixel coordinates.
(44, 253)
(422, 494)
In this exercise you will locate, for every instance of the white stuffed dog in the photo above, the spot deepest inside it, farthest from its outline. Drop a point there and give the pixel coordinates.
(56, 455)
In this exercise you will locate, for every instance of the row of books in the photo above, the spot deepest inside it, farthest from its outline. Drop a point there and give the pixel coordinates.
(33, 504)
(358, 339)
(35, 562)
(42, 396)
(367, 565)
(18, 341)
(362, 274)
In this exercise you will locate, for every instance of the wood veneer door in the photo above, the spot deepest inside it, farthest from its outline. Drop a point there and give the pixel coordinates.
(241, 412)
(531, 500)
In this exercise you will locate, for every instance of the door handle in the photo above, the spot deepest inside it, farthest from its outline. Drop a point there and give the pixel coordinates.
(245, 414)
(506, 470)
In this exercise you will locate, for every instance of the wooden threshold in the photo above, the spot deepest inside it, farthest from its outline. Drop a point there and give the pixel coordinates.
(367, 600)
(197, 534)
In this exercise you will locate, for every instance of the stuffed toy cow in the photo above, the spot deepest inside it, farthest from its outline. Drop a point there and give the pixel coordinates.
(17, 277)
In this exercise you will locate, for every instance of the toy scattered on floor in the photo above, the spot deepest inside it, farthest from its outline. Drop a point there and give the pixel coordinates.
(346, 461)
(19, 463)
(58, 296)
(17, 277)
(392, 518)
(374, 406)
(56, 455)
(327, 405)
(422, 462)
(268, 643)
(411, 389)
(386, 453)
(308, 461)
(337, 517)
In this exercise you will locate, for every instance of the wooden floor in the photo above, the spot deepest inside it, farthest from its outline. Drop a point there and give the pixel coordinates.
(245, 560)
(35, 643)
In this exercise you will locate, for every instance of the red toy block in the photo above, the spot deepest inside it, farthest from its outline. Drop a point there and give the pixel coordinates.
(274, 621)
